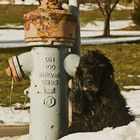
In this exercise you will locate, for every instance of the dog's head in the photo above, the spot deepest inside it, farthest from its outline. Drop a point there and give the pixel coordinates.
(93, 68)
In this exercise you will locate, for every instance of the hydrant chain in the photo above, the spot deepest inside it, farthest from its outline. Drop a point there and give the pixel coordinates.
(10, 99)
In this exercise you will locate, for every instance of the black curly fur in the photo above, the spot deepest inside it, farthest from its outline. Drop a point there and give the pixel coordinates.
(95, 96)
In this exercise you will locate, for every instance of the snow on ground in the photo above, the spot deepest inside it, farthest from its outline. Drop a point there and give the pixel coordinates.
(132, 87)
(21, 2)
(93, 6)
(128, 132)
(124, 7)
(88, 6)
(11, 35)
(100, 40)
(15, 38)
(96, 29)
(14, 117)
(92, 33)
(114, 25)
(82, 7)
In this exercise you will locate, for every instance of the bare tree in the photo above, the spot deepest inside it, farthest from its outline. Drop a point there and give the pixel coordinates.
(106, 7)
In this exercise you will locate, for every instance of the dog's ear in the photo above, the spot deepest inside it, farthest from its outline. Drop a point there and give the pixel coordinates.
(108, 69)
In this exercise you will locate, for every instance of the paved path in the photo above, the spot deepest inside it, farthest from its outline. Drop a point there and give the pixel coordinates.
(13, 130)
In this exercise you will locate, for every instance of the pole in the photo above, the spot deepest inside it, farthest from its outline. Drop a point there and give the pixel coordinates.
(74, 9)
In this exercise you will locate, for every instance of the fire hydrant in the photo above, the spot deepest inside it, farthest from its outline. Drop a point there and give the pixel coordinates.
(50, 32)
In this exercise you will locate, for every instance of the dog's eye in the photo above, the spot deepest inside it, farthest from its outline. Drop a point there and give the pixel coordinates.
(89, 80)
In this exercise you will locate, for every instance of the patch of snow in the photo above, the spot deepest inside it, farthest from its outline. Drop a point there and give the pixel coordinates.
(18, 2)
(24, 137)
(21, 2)
(132, 87)
(7, 116)
(114, 25)
(88, 7)
(11, 26)
(31, 2)
(11, 35)
(130, 75)
(129, 132)
(4, 2)
(120, 7)
(93, 6)
(133, 100)
(100, 40)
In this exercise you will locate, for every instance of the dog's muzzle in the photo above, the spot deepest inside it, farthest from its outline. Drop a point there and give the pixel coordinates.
(88, 85)
(90, 89)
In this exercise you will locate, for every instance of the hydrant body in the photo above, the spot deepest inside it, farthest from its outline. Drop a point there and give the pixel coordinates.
(48, 105)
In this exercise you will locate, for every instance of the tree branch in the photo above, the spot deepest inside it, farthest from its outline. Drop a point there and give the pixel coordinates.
(101, 8)
(108, 6)
(114, 5)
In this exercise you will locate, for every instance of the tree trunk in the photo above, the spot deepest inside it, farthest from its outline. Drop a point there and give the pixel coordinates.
(107, 25)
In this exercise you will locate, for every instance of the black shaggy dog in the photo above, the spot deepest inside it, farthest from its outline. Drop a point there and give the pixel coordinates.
(95, 96)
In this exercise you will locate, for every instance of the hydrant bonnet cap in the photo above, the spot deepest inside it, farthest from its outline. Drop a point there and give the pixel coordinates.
(48, 24)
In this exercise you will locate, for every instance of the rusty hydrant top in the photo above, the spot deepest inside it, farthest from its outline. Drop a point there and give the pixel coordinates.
(51, 4)
(49, 23)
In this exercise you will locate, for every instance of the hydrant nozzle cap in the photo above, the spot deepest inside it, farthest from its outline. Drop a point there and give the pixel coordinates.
(11, 70)
(8, 72)
(71, 63)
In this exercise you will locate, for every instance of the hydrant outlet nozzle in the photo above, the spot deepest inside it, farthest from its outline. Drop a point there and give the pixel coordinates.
(20, 66)
(8, 72)
(71, 63)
